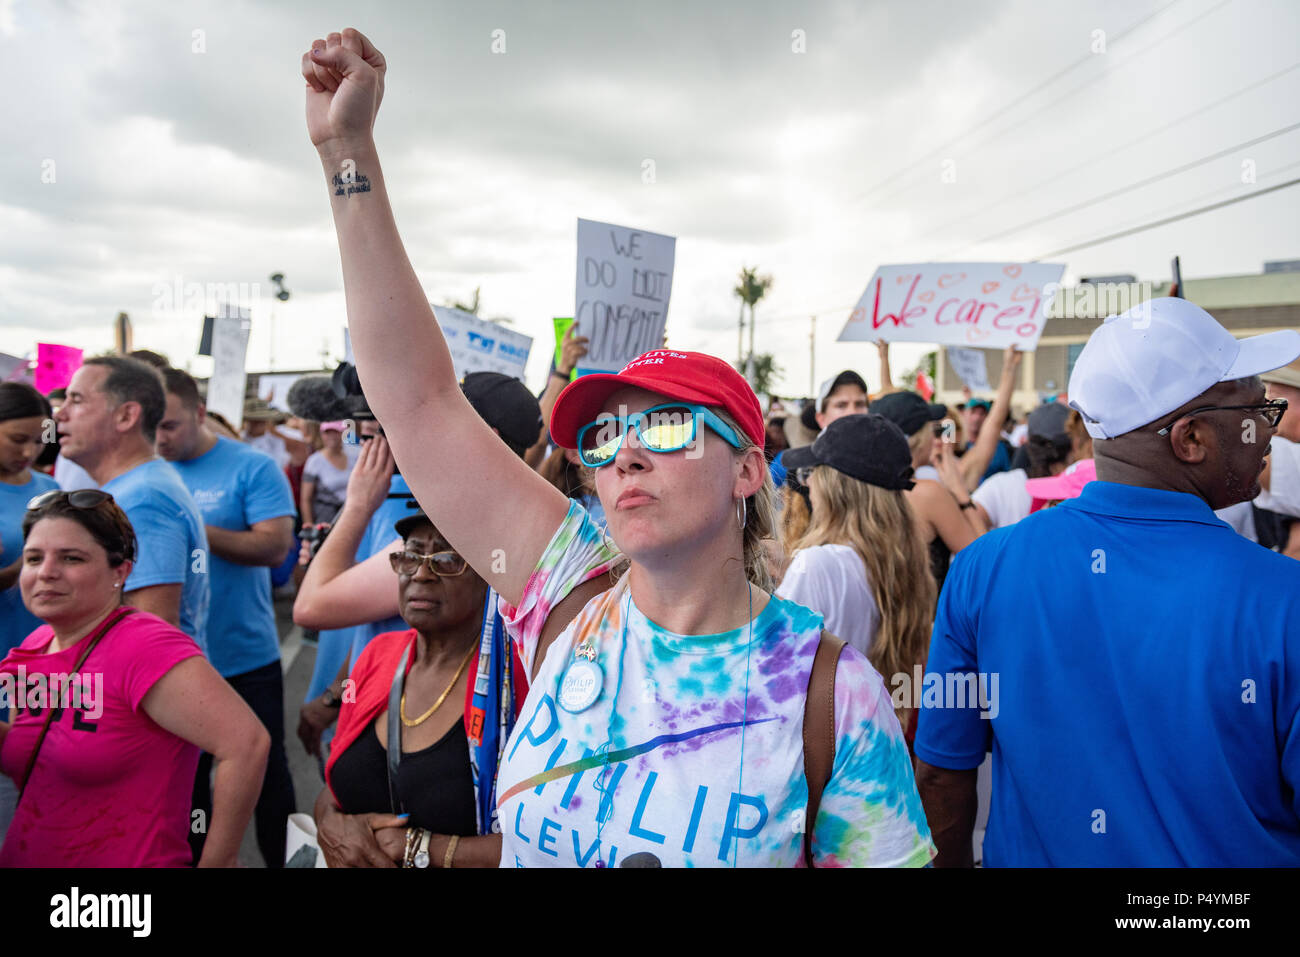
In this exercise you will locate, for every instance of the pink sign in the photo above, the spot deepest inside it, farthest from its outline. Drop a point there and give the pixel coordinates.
(54, 366)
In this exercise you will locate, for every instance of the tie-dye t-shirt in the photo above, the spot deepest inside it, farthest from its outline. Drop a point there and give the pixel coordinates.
(693, 776)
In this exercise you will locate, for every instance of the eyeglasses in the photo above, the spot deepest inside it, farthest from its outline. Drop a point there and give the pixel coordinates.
(1272, 412)
(81, 498)
(664, 428)
(804, 474)
(442, 564)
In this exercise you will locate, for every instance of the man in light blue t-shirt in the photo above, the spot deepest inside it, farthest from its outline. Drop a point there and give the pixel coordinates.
(107, 426)
(248, 510)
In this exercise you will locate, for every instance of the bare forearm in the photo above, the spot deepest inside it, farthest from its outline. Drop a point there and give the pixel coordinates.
(338, 552)
(9, 575)
(482, 851)
(250, 547)
(950, 803)
(385, 301)
(236, 785)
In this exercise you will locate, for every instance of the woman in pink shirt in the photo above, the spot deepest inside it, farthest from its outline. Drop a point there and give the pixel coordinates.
(107, 783)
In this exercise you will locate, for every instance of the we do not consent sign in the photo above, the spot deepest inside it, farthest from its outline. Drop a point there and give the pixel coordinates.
(624, 280)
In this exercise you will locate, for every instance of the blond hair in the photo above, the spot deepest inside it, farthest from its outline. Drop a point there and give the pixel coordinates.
(878, 524)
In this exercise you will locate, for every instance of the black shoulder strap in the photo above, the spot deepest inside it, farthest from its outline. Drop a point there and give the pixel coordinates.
(50, 709)
(395, 726)
(819, 731)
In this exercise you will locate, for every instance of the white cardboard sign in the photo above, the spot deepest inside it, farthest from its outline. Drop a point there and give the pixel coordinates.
(625, 277)
(987, 305)
(229, 348)
(971, 367)
(478, 345)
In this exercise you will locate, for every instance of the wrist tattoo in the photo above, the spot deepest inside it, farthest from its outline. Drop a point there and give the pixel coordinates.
(352, 182)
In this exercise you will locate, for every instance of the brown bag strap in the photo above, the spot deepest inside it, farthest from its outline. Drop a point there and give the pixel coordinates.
(819, 731)
(50, 709)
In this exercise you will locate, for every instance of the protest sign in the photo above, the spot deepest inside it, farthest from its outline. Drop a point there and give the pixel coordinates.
(990, 305)
(14, 369)
(274, 389)
(478, 345)
(624, 280)
(229, 348)
(971, 367)
(54, 366)
(562, 327)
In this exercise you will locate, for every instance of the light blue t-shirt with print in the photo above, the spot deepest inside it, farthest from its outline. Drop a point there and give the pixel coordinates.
(235, 487)
(171, 545)
(16, 622)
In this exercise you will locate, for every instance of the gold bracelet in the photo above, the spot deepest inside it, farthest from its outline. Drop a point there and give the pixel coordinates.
(410, 847)
(451, 851)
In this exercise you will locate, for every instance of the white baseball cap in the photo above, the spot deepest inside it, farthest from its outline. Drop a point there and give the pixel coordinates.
(1144, 363)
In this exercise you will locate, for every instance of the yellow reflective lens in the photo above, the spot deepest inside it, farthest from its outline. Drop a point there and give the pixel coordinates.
(667, 435)
(602, 453)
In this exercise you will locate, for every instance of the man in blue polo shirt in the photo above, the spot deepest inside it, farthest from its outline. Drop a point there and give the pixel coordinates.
(1137, 660)
(107, 426)
(248, 509)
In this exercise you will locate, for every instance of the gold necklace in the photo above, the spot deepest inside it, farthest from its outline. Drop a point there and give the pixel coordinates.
(412, 723)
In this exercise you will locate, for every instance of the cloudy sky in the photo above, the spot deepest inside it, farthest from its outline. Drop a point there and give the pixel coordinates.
(139, 152)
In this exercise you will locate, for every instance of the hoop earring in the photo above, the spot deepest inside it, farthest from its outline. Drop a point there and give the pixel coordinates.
(742, 513)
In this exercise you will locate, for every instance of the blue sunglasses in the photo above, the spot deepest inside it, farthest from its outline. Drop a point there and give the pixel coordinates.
(664, 428)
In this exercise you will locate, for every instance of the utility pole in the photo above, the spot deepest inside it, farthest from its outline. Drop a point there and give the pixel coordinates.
(740, 342)
(812, 356)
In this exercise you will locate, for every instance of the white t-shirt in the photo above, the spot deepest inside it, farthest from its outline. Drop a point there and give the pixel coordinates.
(273, 446)
(699, 738)
(1283, 494)
(1242, 519)
(1004, 497)
(72, 476)
(832, 581)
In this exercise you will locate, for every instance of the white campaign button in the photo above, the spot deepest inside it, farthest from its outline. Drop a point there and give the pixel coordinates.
(581, 686)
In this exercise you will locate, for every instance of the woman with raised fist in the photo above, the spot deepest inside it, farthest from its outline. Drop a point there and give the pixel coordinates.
(670, 689)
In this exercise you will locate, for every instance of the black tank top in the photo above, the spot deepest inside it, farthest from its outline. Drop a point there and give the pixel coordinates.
(434, 785)
(939, 558)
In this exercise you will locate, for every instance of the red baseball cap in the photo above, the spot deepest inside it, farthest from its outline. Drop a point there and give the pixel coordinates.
(688, 376)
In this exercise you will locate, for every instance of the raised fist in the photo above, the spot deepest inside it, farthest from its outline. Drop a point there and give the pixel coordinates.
(345, 84)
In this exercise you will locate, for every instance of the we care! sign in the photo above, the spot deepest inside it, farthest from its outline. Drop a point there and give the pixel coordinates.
(990, 305)
(625, 277)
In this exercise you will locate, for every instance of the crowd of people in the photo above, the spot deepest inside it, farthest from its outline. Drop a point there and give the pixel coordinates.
(639, 620)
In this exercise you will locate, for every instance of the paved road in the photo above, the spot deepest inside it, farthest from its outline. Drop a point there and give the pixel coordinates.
(297, 660)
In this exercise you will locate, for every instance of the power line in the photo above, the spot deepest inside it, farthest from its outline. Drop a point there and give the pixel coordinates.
(1007, 106)
(1091, 161)
(1150, 180)
(1281, 169)
(1165, 222)
(1134, 56)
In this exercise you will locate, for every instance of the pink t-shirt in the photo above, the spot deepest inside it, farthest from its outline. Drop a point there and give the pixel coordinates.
(110, 788)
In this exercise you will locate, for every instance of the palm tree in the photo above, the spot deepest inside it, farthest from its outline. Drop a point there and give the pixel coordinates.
(750, 288)
(763, 369)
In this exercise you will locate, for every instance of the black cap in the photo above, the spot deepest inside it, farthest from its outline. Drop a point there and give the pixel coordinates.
(866, 446)
(1048, 421)
(808, 416)
(908, 411)
(406, 524)
(505, 404)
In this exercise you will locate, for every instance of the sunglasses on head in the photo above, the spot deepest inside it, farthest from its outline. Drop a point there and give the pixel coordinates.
(81, 498)
(442, 564)
(663, 428)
